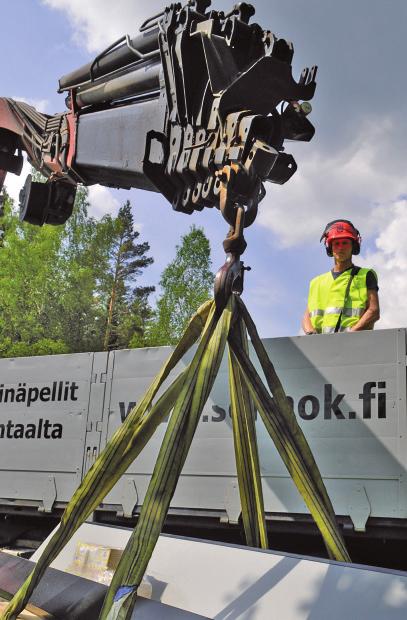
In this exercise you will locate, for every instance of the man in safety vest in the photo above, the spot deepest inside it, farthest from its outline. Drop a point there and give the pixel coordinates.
(345, 298)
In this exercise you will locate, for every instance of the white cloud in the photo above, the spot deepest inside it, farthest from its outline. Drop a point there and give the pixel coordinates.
(102, 202)
(14, 183)
(98, 23)
(350, 183)
(139, 226)
(390, 260)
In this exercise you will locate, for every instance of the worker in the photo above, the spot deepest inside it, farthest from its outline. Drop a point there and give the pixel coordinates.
(345, 298)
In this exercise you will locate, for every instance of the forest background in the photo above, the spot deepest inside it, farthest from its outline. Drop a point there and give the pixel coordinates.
(74, 288)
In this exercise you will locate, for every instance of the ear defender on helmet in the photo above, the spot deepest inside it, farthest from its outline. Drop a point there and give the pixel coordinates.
(341, 229)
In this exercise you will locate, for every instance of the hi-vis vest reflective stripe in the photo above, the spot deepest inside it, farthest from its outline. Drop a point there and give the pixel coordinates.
(326, 298)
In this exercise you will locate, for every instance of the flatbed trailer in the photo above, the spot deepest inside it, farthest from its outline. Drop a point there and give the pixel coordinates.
(349, 394)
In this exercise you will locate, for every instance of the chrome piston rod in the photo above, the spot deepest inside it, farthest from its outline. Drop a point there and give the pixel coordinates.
(138, 82)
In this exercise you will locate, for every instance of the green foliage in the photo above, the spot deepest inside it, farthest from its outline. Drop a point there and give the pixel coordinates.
(29, 275)
(76, 287)
(44, 346)
(84, 258)
(56, 282)
(186, 283)
(37, 176)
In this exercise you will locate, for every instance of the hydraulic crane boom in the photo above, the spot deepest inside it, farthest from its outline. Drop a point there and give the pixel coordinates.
(195, 91)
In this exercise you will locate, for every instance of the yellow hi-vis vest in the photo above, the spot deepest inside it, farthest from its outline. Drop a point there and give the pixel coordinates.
(327, 296)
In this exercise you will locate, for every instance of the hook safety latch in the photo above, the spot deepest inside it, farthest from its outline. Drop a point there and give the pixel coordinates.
(229, 278)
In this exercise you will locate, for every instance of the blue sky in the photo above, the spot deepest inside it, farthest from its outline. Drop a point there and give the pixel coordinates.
(353, 168)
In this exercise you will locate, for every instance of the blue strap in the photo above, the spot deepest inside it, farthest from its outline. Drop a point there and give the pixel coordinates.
(123, 591)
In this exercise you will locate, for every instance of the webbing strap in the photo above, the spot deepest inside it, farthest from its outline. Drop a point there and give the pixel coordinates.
(185, 398)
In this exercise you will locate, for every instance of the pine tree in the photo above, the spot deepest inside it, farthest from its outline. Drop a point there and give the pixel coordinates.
(128, 260)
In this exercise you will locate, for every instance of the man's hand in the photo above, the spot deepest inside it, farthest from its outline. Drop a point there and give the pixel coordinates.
(306, 324)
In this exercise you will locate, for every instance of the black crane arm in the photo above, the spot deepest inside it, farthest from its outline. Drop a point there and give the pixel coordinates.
(196, 90)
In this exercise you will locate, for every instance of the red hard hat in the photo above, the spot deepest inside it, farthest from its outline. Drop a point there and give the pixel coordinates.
(341, 229)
